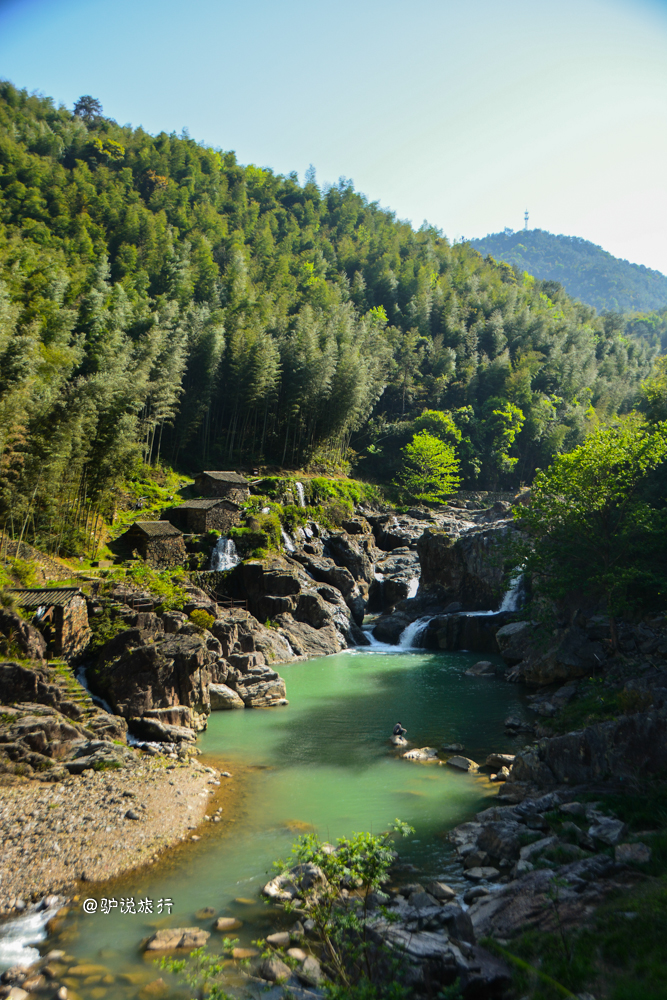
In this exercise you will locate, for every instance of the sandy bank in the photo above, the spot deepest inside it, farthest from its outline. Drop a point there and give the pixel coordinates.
(54, 835)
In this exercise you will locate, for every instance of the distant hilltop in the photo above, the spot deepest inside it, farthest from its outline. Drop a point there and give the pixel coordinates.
(586, 271)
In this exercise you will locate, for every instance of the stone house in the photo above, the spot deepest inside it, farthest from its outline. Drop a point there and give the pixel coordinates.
(227, 485)
(199, 516)
(60, 614)
(159, 543)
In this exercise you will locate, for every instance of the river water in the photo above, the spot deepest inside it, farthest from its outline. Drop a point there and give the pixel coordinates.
(325, 763)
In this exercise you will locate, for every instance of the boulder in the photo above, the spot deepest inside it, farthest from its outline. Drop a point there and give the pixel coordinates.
(222, 698)
(390, 627)
(274, 970)
(628, 746)
(501, 840)
(310, 971)
(498, 760)
(462, 763)
(607, 831)
(172, 938)
(632, 854)
(488, 873)
(515, 641)
(484, 668)
(226, 924)
(161, 732)
(425, 754)
(440, 891)
(279, 940)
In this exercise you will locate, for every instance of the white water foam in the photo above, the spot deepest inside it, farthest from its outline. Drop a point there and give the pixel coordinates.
(510, 601)
(224, 555)
(408, 637)
(18, 937)
(287, 541)
(300, 494)
(413, 587)
(83, 681)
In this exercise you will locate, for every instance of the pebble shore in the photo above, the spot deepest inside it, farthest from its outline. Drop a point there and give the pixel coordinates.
(96, 825)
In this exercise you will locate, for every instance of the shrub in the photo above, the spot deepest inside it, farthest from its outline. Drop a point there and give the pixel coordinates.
(202, 619)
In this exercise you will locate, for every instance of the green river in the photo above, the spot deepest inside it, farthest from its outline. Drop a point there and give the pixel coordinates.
(323, 762)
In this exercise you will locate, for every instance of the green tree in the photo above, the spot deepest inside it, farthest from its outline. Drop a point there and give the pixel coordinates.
(431, 468)
(595, 531)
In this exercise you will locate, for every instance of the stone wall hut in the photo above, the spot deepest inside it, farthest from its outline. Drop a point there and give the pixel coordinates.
(227, 485)
(61, 615)
(159, 543)
(199, 516)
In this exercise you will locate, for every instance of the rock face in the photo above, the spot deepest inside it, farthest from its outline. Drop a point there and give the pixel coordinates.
(463, 569)
(280, 587)
(18, 632)
(463, 631)
(141, 671)
(37, 741)
(631, 745)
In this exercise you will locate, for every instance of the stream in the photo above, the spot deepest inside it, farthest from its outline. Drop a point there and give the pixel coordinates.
(325, 763)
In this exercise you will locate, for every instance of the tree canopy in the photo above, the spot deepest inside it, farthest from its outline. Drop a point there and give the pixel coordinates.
(159, 300)
(597, 528)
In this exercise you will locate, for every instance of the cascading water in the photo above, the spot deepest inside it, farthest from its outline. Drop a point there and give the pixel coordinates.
(413, 587)
(409, 636)
(512, 598)
(287, 541)
(224, 555)
(300, 494)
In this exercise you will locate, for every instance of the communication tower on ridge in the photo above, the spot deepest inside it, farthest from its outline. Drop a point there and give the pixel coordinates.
(525, 220)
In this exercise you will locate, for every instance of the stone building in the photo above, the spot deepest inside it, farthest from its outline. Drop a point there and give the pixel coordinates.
(228, 485)
(159, 543)
(198, 516)
(60, 614)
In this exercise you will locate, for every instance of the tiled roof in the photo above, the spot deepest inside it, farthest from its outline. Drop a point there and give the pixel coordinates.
(226, 477)
(37, 597)
(204, 504)
(155, 529)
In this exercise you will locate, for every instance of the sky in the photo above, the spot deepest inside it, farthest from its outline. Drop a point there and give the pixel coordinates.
(463, 113)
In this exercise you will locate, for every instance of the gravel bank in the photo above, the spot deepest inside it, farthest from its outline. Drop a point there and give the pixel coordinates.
(97, 825)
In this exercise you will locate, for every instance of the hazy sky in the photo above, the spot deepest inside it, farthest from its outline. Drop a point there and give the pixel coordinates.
(461, 112)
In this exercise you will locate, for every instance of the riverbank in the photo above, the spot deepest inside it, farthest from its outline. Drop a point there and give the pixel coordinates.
(100, 824)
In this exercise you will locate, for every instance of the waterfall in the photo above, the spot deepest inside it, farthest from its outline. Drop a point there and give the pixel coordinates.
(300, 494)
(413, 587)
(511, 600)
(224, 555)
(408, 637)
(287, 541)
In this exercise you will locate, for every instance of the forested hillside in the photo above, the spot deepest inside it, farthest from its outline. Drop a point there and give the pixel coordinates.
(162, 302)
(586, 271)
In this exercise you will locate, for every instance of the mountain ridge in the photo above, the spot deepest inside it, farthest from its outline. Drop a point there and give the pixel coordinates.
(586, 270)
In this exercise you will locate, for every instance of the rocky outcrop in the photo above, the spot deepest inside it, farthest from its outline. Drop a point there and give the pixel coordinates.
(468, 569)
(396, 576)
(634, 745)
(139, 671)
(37, 741)
(17, 633)
(461, 631)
